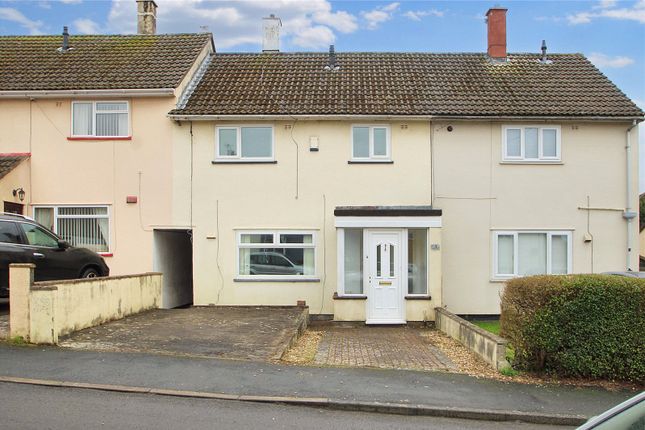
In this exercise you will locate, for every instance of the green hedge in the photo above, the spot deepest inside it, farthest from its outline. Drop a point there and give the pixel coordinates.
(589, 326)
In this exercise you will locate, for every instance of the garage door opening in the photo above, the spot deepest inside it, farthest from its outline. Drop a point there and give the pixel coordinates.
(173, 256)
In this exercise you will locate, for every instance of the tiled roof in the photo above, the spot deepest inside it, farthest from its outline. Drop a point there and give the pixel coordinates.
(97, 62)
(8, 162)
(406, 84)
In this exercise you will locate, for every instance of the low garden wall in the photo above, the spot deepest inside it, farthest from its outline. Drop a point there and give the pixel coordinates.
(41, 312)
(488, 346)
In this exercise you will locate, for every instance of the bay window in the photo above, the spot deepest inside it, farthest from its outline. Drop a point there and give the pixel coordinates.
(525, 253)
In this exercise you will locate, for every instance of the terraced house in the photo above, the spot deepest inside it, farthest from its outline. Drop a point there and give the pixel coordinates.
(377, 186)
(373, 186)
(86, 146)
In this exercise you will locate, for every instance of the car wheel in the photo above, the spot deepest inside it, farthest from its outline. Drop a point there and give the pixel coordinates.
(90, 273)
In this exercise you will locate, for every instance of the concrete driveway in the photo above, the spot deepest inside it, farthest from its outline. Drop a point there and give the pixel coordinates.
(249, 333)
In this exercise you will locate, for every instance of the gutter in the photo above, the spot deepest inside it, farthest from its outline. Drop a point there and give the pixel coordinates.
(43, 94)
(629, 215)
(180, 117)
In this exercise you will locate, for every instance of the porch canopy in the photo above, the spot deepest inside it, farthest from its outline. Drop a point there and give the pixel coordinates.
(387, 216)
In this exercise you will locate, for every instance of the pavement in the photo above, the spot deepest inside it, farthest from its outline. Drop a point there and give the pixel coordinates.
(239, 332)
(382, 390)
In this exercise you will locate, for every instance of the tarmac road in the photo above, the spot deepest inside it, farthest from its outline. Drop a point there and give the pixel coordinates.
(34, 407)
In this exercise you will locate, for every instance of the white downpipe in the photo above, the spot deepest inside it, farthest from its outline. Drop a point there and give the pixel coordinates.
(629, 215)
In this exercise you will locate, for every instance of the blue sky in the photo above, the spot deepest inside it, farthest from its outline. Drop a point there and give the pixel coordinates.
(610, 33)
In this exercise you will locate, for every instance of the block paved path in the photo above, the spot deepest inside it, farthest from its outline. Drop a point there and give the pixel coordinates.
(382, 347)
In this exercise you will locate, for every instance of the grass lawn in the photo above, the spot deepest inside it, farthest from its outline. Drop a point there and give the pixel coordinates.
(488, 325)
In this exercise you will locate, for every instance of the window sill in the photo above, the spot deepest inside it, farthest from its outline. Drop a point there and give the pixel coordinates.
(501, 280)
(419, 297)
(244, 162)
(105, 254)
(370, 162)
(276, 279)
(100, 138)
(350, 297)
(547, 162)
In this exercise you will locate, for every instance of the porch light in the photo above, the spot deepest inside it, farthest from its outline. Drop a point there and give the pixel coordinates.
(20, 193)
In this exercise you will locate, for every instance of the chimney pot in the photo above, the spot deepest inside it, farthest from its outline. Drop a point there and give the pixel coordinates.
(271, 33)
(146, 17)
(496, 18)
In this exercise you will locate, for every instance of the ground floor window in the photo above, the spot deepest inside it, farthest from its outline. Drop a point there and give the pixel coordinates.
(525, 253)
(351, 261)
(276, 253)
(81, 226)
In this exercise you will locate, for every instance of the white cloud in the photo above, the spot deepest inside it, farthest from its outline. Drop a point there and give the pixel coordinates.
(13, 15)
(86, 26)
(305, 24)
(602, 60)
(71, 1)
(607, 9)
(416, 15)
(378, 16)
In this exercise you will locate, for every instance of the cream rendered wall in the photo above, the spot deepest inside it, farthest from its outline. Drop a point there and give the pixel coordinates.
(100, 171)
(478, 193)
(281, 196)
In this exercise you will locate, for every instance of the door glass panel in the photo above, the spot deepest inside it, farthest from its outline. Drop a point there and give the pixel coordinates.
(418, 261)
(532, 253)
(378, 260)
(559, 254)
(361, 142)
(38, 237)
(353, 261)
(513, 142)
(391, 250)
(531, 143)
(9, 233)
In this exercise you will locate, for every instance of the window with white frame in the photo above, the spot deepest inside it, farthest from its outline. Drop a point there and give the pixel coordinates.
(81, 226)
(100, 119)
(531, 143)
(370, 143)
(248, 143)
(266, 254)
(525, 253)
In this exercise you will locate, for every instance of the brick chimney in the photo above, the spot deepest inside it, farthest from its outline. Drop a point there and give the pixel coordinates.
(496, 18)
(146, 17)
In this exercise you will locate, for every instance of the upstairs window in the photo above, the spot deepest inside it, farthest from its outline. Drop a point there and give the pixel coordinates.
(254, 143)
(531, 143)
(100, 119)
(370, 143)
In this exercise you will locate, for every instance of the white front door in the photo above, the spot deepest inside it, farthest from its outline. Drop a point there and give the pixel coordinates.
(384, 287)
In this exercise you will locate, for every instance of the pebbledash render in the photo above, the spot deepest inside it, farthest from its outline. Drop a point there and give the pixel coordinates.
(373, 186)
(378, 186)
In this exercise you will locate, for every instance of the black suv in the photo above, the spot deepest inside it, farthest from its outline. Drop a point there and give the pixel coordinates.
(23, 240)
